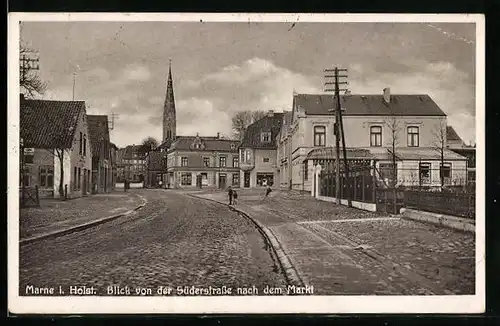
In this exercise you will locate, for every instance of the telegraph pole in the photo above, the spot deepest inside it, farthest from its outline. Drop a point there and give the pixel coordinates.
(338, 126)
(74, 82)
(26, 65)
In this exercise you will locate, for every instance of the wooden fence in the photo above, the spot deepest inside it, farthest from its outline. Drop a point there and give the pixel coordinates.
(452, 203)
(29, 197)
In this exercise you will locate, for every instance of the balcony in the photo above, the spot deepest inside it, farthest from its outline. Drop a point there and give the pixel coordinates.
(244, 166)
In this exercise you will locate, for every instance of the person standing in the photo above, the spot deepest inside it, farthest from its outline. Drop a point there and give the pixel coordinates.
(235, 197)
(230, 194)
(268, 191)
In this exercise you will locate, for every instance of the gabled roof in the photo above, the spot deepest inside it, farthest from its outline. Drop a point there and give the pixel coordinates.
(270, 123)
(155, 161)
(370, 105)
(185, 143)
(98, 131)
(49, 124)
(129, 151)
(451, 134)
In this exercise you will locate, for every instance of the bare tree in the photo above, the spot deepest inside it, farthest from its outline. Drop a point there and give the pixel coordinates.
(439, 145)
(29, 80)
(148, 144)
(393, 125)
(242, 119)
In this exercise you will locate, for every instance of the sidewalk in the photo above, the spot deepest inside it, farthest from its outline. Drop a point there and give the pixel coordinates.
(342, 250)
(55, 215)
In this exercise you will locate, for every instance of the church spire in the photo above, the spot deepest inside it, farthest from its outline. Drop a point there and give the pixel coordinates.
(169, 116)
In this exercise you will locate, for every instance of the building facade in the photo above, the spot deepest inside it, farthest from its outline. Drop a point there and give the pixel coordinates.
(102, 169)
(57, 151)
(258, 152)
(409, 124)
(156, 166)
(131, 164)
(202, 161)
(284, 152)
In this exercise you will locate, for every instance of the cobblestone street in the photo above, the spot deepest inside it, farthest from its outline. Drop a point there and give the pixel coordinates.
(175, 240)
(343, 250)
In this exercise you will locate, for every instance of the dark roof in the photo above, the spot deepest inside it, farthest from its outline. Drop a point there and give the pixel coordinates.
(98, 131)
(129, 151)
(324, 153)
(252, 136)
(208, 144)
(49, 124)
(451, 134)
(402, 153)
(155, 161)
(410, 105)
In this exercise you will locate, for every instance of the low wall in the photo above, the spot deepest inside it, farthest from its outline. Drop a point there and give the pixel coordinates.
(371, 207)
(454, 222)
(133, 185)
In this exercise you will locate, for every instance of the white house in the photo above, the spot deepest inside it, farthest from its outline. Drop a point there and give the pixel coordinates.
(372, 124)
(55, 133)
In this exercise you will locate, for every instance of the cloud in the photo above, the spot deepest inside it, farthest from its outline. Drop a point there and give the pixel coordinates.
(137, 73)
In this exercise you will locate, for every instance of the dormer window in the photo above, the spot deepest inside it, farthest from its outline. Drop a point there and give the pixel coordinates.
(233, 146)
(265, 137)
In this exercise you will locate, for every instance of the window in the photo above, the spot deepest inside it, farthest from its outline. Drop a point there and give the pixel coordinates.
(206, 162)
(375, 136)
(81, 143)
(265, 137)
(388, 171)
(425, 173)
(319, 135)
(222, 161)
(236, 179)
(233, 146)
(305, 171)
(28, 157)
(84, 145)
(184, 161)
(242, 156)
(46, 176)
(236, 162)
(265, 159)
(75, 170)
(79, 178)
(186, 179)
(413, 136)
(446, 172)
(247, 154)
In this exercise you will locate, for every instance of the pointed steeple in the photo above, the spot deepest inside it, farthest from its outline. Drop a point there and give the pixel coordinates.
(169, 116)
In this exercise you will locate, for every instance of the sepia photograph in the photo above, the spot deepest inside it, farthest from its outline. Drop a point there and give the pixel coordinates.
(245, 163)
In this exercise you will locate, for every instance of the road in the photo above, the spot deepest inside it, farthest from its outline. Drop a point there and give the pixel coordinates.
(174, 241)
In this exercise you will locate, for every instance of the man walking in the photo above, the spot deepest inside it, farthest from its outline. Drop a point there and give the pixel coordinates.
(268, 191)
(230, 194)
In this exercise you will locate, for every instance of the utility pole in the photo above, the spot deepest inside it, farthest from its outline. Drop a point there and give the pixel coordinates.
(112, 120)
(26, 65)
(338, 126)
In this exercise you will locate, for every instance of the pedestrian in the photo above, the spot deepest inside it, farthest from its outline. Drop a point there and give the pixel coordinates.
(235, 197)
(160, 183)
(268, 191)
(230, 194)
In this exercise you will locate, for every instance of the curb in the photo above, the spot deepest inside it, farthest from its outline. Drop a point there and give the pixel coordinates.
(291, 274)
(81, 227)
(452, 222)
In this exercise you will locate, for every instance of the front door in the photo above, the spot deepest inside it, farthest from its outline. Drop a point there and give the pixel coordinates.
(84, 188)
(246, 180)
(222, 181)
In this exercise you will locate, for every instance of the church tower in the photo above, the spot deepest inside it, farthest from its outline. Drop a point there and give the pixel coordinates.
(169, 120)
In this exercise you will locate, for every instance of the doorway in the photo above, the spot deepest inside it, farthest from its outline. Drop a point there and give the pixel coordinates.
(246, 180)
(222, 181)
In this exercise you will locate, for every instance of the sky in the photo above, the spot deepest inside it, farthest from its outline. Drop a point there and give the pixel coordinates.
(221, 68)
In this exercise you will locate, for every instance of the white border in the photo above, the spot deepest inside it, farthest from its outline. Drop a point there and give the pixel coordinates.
(259, 304)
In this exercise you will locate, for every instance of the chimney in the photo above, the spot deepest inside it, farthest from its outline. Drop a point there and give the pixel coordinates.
(270, 113)
(387, 95)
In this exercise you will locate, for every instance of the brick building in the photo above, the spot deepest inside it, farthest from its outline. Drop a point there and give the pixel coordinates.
(55, 132)
(210, 160)
(102, 172)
